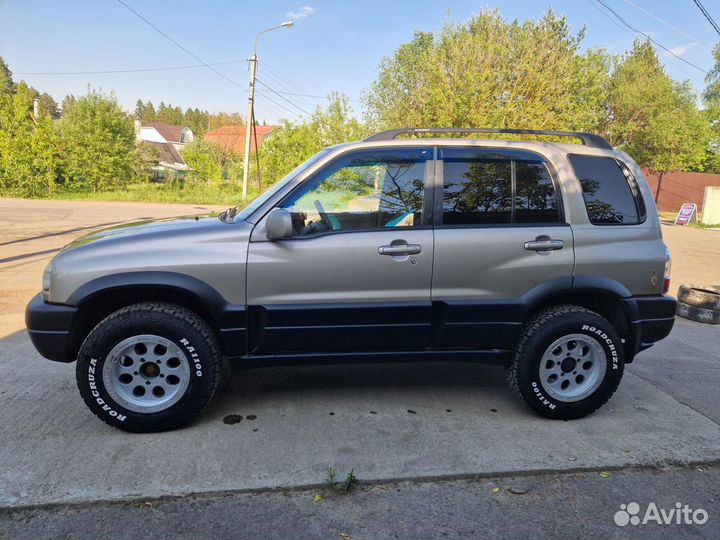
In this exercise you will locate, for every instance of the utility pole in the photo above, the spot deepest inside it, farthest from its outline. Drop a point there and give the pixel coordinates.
(251, 106)
(248, 126)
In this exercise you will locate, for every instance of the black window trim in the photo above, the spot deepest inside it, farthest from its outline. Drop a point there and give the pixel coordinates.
(428, 194)
(509, 152)
(633, 185)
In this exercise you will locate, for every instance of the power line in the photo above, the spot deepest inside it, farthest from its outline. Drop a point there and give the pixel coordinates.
(625, 29)
(664, 22)
(704, 11)
(284, 88)
(282, 97)
(268, 98)
(196, 57)
(135, 70)
(624, 22)
(283, 77)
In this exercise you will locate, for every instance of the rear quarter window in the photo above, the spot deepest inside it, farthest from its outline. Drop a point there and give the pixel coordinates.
(610, 192)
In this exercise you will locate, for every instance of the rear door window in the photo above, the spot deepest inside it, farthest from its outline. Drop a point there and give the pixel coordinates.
(485, 186)
(610, 193)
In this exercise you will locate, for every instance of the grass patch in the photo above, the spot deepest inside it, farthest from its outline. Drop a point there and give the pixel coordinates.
(345, 487)
(150, 192)
(704, 226)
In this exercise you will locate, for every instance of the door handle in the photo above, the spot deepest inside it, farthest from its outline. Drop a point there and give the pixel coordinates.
(544, 244)
(400, 249)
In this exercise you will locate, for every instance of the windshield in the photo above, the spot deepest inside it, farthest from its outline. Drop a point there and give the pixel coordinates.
(272, 190)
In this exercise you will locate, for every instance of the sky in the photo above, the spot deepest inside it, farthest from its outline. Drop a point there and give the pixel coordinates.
(333, 46)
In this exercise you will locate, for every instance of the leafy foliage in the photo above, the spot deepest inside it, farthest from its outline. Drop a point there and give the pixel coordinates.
(207, 160)
(711, 99)
(98, 142)
(7, 86)
(294, 143)
(28, 154)
(655, 119)
(488, 72)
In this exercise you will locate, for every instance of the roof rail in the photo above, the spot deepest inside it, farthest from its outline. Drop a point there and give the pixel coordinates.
(589, 139)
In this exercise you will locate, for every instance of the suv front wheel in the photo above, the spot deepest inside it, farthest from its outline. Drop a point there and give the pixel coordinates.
(148, 367)
(568, 362)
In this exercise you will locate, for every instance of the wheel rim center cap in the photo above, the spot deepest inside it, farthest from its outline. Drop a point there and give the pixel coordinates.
(150, 370)
(568, 364)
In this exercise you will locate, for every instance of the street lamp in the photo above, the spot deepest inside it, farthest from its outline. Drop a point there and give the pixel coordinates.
(251, 105)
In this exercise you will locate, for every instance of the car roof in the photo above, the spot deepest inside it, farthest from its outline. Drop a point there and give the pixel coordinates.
(542, 147)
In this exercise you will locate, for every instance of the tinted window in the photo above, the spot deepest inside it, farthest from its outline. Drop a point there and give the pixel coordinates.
(608, 197)
(478, 188)
(477, 191)
(362, 190)
(535, 199)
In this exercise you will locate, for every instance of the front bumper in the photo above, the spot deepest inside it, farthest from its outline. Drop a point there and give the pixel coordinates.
(49, 327)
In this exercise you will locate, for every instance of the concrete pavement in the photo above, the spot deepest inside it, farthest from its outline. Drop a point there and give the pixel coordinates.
(387, 422)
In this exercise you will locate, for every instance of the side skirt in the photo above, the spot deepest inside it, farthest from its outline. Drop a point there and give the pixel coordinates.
(491, 356)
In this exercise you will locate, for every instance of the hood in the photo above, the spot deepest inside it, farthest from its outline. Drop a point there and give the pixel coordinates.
(168, 227)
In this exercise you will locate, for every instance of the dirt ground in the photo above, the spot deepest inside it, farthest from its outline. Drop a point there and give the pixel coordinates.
(31, 232)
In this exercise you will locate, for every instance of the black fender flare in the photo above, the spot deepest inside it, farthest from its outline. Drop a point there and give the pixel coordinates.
(230, 319)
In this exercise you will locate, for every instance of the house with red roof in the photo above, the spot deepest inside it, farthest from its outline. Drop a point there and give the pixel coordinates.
(232, 138)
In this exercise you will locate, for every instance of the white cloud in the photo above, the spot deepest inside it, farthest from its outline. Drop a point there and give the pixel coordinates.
(681, 49)
(301, 13)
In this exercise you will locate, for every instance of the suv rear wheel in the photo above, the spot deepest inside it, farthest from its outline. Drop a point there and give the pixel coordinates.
(148, 367)
(568, 362)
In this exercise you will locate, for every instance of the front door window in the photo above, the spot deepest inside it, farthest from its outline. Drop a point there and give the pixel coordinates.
(365, 190)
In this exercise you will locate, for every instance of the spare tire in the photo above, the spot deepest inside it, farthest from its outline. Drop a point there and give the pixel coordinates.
(698, 314)
(703, 296)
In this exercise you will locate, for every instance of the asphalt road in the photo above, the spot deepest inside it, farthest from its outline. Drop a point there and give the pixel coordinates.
(549, 506)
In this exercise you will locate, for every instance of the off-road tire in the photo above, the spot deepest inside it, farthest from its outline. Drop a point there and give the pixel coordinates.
(706, 297)
(523, 372)
(182, 327)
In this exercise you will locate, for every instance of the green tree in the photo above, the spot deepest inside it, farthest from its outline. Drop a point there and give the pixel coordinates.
(149, 113)
(67, 102)
(294, 143)
(490, 72)
(223, 119)
(98, 140)
(711, 100)
(139, 110)
(48, 105)
(207, 161)
(7, 86)
(28, 153)
(170, 115)
(655, 119)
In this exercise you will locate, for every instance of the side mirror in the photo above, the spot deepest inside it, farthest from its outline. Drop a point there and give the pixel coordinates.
(278, 224)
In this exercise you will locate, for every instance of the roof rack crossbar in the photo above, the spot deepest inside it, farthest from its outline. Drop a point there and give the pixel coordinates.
(589, 139)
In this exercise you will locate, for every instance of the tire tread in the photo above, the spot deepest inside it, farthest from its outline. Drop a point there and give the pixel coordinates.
(160, 311)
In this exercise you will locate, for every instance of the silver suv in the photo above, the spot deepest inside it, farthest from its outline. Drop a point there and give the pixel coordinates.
(543, 257)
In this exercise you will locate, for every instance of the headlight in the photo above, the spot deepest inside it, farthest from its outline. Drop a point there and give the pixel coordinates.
(46, 282)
